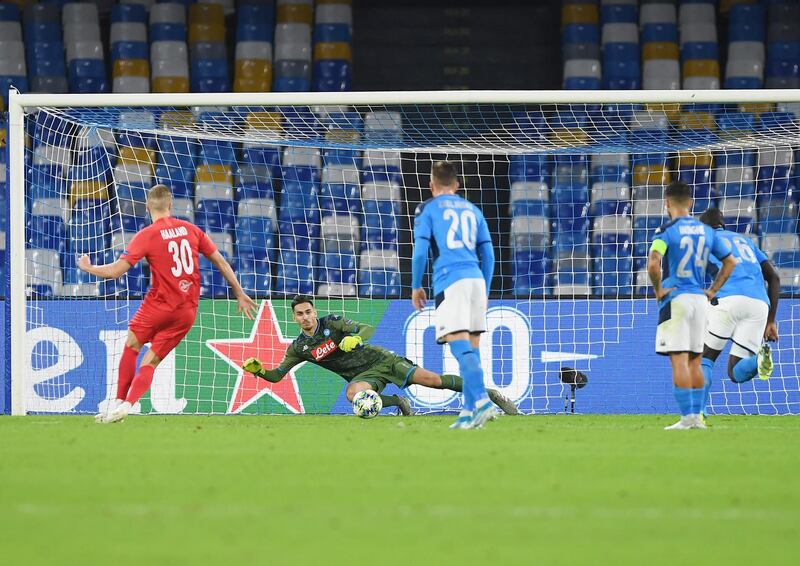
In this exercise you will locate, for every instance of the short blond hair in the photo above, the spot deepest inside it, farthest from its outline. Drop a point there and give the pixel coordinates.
(159, 197)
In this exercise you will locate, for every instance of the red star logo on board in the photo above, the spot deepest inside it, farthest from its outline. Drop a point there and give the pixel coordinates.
(266, 342)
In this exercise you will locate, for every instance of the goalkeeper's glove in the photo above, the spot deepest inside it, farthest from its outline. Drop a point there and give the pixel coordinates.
(253, 365)
(349, 343)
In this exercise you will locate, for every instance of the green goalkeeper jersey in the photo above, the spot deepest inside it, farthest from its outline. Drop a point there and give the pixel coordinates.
(322, 349)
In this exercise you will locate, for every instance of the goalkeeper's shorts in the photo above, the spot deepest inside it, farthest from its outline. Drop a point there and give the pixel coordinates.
(682, 324)
(461, 308)
(739, 319)
(393, 369)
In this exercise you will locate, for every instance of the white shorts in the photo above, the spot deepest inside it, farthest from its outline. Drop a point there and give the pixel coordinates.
(740, 319)
(682, 325)
(461, 307)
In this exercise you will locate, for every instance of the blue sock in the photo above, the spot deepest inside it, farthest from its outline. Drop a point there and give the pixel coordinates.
(697, 399)
(745, 370)
(708, 367)
(469, 365)
(684, 398)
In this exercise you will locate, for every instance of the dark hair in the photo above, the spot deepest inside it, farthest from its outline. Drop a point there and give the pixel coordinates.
(300, 299)
(712, 217)
(444, 173)
(678, 191)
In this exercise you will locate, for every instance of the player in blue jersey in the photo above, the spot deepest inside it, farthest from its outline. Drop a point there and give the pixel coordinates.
(679, 254)
(744, 310)
(455, 231)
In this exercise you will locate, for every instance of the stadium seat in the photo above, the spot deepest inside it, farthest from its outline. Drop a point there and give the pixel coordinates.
(170, 66)
(661, 74)
(620, 33)
(295, 272)
(379, 274)
(253, 67)
(648, 215)
(43, 277)
(167, 22)
(739, 214)
(772, 243)
(657, 13)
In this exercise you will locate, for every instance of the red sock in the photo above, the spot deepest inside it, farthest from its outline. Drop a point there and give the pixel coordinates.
(127, 371)
(141, 383)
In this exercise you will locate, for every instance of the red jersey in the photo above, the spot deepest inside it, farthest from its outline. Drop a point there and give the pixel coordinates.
(172, 249)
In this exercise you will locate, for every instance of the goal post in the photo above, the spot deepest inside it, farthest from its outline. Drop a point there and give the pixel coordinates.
(315, 193)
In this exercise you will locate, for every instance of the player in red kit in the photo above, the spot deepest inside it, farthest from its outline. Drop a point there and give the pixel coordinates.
(166, 315)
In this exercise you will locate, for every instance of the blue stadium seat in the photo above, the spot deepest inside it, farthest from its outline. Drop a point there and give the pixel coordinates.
(167, 31)
(38, 32)
(210, 75)
(87, 76)
(786, 259)
(531, 269)
(666, 32)
(332, 32)
(217, 152)
(295, 273)
(580, 33)
(699, 50)
(618, 13)
(254, 274)
(214, 215)
(212, 283)
(269, 156)
(292, 84)
(528, 168)
(46, 182)
(380, 223)
(89, 226)
(339, 267)
(332, 75)
(339, 198)
(9, 12)
(46, 232)
(128, 13)
(255, 237)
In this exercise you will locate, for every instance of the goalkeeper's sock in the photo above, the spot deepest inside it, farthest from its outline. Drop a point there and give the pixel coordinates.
(390, 400)
(127, 371)
(469, 365)
(745, 369)
(141, 383)
(452, 382)
(708, 370)
(683, 396)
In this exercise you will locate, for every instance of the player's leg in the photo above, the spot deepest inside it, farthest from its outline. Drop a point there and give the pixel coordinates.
(127, 364)
(719, 331)
(377, 384)
(710, 356)
(680, 334)
(427, 378)
(752, 357)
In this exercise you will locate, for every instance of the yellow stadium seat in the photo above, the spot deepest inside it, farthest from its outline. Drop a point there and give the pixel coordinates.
(253, 75)
(177, 119)
(137, 155)
(342, 136)
(338, 50)
(206, 32)
(579, 14)
(569, 136)
(171, 84)
(219, 174)
(757, 108)
(271, 121)
(650, 175)
(697, 121)
(697, 158)
(92, 190)
(207, 14)
(131, 68)
(671, 110)
(2, 104)
(660, 50)
(701, 68)
(3, 136)
(295, 14)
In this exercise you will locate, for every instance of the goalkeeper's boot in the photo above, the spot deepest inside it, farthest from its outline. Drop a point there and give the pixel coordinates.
(503, 402)
(482, 414)
(462, 422)
(765, 364)
(686, 422)
(404, 407)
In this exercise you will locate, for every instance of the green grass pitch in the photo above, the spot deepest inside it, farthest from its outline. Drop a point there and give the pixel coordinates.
(336, 490)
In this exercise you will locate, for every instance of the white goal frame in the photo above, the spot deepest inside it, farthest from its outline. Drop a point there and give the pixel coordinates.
(19, 103)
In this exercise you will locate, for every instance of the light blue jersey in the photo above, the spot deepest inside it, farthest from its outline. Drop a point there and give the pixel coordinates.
(747, 280)
(686, 244)
(456, 231)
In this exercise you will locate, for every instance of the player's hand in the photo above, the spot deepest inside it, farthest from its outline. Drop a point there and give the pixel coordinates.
(84, 263)
(246, 306)
(350, 343)
(419, 298)
(771, 332)
(710, 294)
(661, 293)
(253, 365)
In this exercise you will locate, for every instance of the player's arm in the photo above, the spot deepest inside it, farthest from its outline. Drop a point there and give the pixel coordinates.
(774, 293)
(419, 259)
(245, 304)
(486, 253)
(657, 251)
(722, 251)
(357, 333)
(253, 365)
(108, 271)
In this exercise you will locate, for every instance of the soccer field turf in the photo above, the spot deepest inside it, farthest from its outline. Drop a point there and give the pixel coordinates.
(335, 490)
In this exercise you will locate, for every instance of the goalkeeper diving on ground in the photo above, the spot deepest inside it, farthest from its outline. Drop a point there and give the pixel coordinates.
(338, 345)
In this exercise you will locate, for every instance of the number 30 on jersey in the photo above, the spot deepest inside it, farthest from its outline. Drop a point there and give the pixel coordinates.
(182, 256)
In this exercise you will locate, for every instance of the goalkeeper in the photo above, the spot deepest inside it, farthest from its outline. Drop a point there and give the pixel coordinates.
(338, 345)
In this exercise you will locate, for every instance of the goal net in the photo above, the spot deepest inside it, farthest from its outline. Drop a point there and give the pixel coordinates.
(316, 193)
